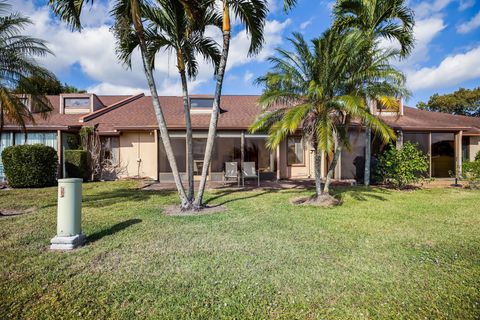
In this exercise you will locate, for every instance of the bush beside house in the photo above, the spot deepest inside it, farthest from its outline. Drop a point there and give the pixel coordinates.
(30, 166)
(76, 164)
(402, 167)
(471, 172)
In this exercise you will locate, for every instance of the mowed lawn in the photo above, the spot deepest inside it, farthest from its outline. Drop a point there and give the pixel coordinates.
(382, 254)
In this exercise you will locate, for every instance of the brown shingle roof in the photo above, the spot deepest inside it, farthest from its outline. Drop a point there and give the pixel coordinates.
(239, 111)
(415, 119)
(56, 120)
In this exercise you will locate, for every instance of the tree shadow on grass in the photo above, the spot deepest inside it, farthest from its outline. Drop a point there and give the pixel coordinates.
(360, 193)
(227, 192)
(105, 199)
(112, 230)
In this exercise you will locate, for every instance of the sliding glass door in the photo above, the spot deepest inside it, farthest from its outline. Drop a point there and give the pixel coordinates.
(440, 148)
(443, 155)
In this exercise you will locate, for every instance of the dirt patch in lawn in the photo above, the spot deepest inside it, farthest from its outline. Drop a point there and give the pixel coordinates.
(322, 201)
(175, 210)
(15, 212)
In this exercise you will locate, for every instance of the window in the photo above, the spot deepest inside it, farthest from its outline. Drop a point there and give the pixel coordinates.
(76, 103)
(465, 148)
(295, 150)
(24, 101)
(45, 138)
(201, 103)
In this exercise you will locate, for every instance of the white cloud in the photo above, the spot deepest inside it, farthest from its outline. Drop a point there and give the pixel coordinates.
(470, 25)
(238, 54)
(247, 77)
(305, 24)
(424, 32)
(426, 9)
(450, 72)
(466, 4)
(93, 50)
(108, 88)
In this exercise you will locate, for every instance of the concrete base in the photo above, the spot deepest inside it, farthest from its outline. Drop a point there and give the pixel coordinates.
(67, 243)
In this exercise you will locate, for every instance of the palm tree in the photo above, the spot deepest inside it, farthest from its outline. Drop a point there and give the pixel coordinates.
(17, 66)
(375, 20)
(252, 13)
(170, 29)
(312, 89)
(128, 15)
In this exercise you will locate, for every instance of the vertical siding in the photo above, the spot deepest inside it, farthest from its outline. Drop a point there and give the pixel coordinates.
(139, 154)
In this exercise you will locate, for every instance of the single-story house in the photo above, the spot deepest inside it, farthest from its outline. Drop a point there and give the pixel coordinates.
(130, 137)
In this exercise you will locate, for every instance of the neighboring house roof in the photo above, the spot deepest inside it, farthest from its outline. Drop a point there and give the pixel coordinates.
(127, 112)
(415, 119)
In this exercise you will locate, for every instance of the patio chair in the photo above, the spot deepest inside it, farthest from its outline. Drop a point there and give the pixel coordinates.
(250, 172)
(231, 171)
(197, 167)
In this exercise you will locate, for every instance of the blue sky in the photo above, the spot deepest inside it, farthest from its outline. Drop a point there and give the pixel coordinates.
(446, 57)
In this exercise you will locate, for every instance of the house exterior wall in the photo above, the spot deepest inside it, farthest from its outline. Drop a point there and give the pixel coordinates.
(474, 147)
(139, 155)
(298, 171)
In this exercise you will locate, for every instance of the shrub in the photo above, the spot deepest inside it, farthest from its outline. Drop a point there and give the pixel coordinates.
(471, 172)
(30, 166)
(477, 156)
(402, 167)
(76, 164)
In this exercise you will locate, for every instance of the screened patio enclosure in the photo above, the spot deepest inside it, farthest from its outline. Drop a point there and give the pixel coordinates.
(440, 147)
(229, 147)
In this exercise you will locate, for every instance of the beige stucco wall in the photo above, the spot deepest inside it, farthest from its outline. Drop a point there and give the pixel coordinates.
(141, 146)
(297, 171)
(474, 147)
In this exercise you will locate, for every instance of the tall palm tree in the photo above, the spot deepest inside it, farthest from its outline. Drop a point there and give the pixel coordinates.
(252, 14)
(374, 20)
(170, 29)
(128, 15)
(17, 65)
(310, 89)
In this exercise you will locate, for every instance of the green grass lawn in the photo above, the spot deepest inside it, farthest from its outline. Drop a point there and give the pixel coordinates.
(382, 254)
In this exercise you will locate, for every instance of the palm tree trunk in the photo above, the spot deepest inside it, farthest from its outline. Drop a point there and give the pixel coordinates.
(368, 147)
(333, 165)
(162, 125)
(212, 130)
(318, 172)
(188, 125)
(368, 155)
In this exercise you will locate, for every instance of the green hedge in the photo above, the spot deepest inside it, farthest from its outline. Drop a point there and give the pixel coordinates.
(76, 164)
(471, 172)
(30, 166)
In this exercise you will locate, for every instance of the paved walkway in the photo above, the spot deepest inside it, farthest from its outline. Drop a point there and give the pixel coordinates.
(285, 184)
(249, 184)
